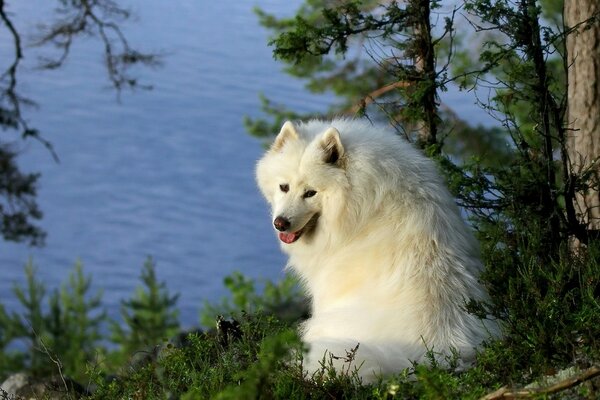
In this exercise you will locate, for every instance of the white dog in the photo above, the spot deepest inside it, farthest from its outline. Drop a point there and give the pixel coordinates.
(378, 243)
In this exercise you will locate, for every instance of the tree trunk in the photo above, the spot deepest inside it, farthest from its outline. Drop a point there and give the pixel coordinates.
(425, 66)
(583, 113)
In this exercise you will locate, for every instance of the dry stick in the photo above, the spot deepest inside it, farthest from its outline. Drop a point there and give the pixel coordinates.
(55, 360)
(506, 393)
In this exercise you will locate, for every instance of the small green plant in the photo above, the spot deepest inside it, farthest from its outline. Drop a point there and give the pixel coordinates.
(75, 322)
(31, 326)
(283, 298)
(60, 338)
(149, 317)
(205, 366)
(10, 360)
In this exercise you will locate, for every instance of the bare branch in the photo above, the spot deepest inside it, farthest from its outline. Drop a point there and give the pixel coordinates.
(506, 393)
(97, 18)
(371, 97)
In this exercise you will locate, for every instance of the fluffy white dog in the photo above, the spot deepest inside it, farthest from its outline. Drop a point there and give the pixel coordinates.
(378, 243)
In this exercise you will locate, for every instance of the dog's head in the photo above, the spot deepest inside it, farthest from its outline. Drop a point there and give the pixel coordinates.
(299, 176)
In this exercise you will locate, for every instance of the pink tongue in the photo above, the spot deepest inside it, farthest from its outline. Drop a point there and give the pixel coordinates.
(288, 237)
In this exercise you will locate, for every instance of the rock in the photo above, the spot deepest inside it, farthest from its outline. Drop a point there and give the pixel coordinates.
(22, 386)
(14, 383)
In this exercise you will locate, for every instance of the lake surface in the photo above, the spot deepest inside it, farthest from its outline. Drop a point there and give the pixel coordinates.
(167, 173)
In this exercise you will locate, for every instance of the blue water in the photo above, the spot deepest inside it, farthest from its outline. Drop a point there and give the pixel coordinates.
(166, 173)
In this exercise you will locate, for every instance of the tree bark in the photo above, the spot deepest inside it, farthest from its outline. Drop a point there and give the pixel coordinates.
(583, 112)
(425, 66)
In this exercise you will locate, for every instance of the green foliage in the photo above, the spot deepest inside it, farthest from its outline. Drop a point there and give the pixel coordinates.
(487, 145)
(324, 71)
(204, 367)
(336, 27)
(303, 42)
(258, 380)
(18, 208)
(75, 322)
(62, 332)
(32, 326)
(10, 360)
(527, 200)
(264, 129)
(283, 299)
(550, 309)
(149, 317)
(60, 338)
(363, 52)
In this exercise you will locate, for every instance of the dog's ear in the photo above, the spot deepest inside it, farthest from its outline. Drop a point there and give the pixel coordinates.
(287, 133)
(333, 150)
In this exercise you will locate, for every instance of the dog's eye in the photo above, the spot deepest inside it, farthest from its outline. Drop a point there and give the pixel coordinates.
(309, 193)
(284, 188)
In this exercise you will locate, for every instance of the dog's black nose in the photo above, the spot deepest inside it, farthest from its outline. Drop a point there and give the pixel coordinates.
(281, 224)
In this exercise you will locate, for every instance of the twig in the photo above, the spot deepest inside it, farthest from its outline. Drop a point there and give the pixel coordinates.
(52, 358)
(506, 393)
(98, 18)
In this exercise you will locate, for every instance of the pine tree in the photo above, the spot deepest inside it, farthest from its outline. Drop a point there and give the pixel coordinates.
(61, 338)
(384, 61)
(32, 325)
(149, 317)
(75, 322)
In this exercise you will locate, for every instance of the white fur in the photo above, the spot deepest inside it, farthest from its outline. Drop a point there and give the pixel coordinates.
(389, 263)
